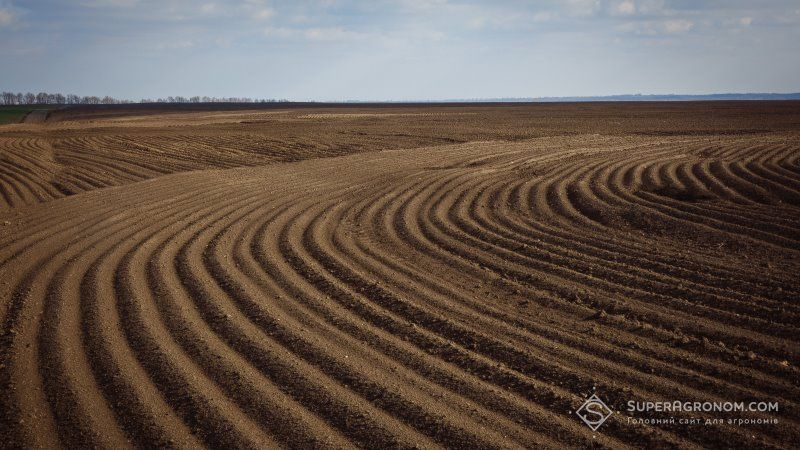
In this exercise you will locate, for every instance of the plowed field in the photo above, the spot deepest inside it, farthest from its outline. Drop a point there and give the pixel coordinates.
(443, 276)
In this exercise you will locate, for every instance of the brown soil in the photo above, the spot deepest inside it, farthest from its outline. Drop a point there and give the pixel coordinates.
(404, 276)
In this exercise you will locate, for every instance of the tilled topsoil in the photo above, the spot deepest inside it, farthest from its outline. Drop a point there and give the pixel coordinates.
(443, 276)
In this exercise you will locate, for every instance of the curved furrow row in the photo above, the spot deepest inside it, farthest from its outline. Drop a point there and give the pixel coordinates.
(251, 342)
(463, 296)
(24, 371)
(387, 342)
(437, 425)
(512, 237)
(475, 320)
(557, 242)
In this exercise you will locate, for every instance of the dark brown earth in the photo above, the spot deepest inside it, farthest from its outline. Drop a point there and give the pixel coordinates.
(399, 275)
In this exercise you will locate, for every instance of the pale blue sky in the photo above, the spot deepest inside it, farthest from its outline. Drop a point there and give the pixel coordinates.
(398, 49)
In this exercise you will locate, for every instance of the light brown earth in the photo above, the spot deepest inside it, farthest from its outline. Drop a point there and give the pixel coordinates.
(399, 276)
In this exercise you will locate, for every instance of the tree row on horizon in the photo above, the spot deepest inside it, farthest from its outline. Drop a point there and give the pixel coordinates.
(45, 98)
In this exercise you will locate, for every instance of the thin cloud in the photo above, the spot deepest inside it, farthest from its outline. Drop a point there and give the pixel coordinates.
(9, 15)
(264, 14)
(678, 26)
(625, 8)
(110, 3)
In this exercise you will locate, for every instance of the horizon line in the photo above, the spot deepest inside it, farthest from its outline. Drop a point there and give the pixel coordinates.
(108, 100)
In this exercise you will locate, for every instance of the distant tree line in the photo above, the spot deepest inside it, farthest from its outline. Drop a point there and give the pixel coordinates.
(206, 99)
(45, 98)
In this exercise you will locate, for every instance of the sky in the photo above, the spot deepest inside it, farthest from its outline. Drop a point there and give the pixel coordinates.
(331, 50)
